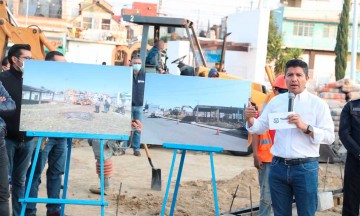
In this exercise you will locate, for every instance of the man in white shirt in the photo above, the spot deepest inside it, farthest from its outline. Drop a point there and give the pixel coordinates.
(294, 168)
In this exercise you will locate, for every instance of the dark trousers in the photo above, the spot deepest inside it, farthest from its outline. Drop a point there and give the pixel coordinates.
(4, 181)
(351, 186)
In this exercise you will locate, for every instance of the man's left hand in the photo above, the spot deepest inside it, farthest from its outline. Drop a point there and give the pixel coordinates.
(296, 119)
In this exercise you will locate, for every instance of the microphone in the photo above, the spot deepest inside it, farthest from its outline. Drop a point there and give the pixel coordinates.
(291, 102)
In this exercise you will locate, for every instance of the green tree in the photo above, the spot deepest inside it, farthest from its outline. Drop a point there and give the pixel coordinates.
(274, 41)
(341, 48)
(284, 57)
(275, 53)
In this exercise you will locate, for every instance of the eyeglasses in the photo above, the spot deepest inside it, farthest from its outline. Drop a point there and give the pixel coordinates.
(280, 90)
(136, 63)
(24, 57)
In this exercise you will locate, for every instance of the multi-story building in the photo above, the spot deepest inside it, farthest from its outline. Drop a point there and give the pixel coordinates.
(312, 26)
(48, 15)
(75, 27)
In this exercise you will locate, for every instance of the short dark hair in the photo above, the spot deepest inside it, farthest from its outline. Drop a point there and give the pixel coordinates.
(5, 61)
(15, 50)
(297, 63)
(50, 55)
(135, 57)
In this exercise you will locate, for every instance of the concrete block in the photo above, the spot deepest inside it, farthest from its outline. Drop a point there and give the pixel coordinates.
(325, 201)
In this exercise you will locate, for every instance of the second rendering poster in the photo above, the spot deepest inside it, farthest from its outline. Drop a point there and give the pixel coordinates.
(195, 111)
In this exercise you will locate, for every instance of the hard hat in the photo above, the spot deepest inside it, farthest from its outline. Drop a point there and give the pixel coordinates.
(280, 82)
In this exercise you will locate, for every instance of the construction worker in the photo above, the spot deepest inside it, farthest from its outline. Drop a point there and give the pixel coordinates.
(261, 145)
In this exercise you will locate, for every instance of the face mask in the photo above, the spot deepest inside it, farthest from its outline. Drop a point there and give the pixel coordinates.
(21, 68)
(137, 67)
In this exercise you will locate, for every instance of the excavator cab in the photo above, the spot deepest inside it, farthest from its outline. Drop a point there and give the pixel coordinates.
(157, 22)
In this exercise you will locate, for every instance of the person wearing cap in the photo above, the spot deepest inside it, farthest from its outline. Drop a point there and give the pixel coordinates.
(295, 166)
(213, 73)
(261, 145)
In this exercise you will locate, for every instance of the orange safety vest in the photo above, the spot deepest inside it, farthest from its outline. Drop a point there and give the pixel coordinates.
(266, 141)
(265, 144)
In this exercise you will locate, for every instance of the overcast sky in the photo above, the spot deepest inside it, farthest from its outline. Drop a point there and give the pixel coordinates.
(198, 11)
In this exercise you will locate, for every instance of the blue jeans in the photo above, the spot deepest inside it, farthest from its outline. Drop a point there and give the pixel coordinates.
(136, 112)
(55, 153)
(265, 197)
(300, 181)
(19, 154)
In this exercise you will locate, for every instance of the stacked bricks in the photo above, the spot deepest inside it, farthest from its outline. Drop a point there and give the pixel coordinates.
(336, 98)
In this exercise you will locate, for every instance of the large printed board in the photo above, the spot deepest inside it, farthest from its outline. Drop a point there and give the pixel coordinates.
(195, 111)
(76, 98)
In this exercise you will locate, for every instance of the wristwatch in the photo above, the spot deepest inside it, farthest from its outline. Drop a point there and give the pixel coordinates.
(309, 129)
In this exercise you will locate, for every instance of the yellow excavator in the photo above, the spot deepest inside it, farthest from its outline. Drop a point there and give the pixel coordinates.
(259, 94)
(31, 35)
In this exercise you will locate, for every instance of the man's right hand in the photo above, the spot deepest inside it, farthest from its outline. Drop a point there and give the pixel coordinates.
(250, 114)
(257, 162)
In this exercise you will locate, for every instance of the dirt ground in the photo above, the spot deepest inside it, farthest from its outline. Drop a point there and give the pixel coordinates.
(64, 117)
(195, 195)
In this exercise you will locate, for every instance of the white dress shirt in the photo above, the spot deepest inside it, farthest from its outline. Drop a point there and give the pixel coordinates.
(294, 143)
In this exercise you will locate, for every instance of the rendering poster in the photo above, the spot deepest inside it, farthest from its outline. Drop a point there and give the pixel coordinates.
(76, 98)
(195, 111)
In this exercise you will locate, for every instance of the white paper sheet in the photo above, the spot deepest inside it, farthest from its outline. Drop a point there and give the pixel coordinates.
(278, 121)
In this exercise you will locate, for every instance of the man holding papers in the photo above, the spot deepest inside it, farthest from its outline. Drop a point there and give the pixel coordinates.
(294, 168)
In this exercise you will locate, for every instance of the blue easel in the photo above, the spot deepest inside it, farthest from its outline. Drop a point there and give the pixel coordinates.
(184, 148)
(63, 200)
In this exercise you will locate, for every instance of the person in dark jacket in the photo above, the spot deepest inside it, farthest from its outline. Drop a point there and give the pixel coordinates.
(19, 146)
(137, 100)
(154, 56)
(7, 106)
(349, 131)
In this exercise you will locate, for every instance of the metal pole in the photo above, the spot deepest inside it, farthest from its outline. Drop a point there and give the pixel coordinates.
(27, 12)
(354, 41)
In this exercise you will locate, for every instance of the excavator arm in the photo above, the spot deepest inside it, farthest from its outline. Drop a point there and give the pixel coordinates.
(20, 35)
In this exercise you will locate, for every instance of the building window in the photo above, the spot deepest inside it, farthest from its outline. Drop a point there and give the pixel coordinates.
(105, 24)
(40, 8)
(87, 22)
(330, 31)
(303, 29)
